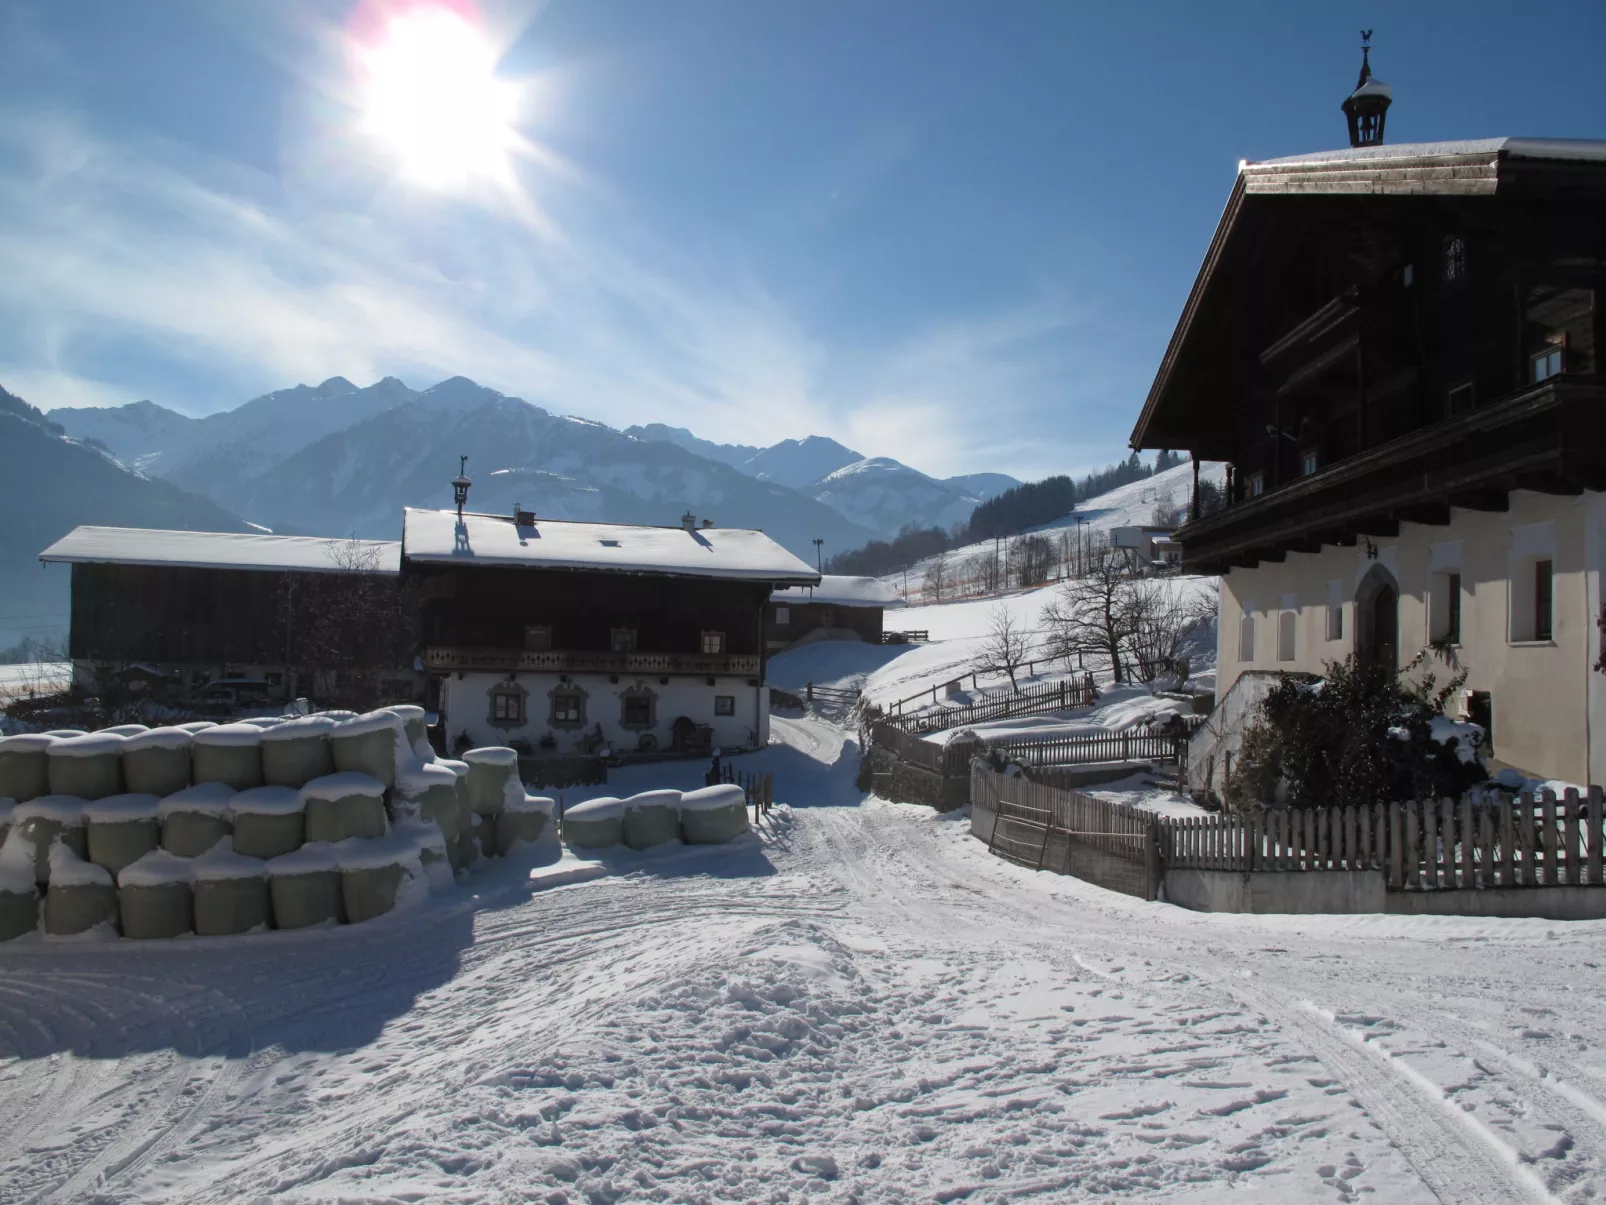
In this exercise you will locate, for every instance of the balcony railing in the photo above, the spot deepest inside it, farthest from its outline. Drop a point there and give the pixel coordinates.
(451, 658)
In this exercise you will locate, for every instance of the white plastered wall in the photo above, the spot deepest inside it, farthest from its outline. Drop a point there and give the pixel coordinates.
(1549, 706)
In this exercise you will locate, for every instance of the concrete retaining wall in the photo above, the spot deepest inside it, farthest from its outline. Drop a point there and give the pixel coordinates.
(1546, 903)
(1272, 891)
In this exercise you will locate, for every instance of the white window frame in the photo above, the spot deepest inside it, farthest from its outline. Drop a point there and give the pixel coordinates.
(783, 616)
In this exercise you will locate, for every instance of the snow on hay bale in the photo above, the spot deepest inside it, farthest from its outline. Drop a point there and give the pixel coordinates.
(461, 851)
(297, 751)
(523, 823)
(154, 896)
(19, 896)
(230, 753)
(594, 824)
(7, 807)
(347, 804)
(25, 766)
(90, 767)
(44, 821)
(380, 875)
(195, 726)
(196, 818)
(651, 818)
(126, 730)
(431, 846)
(62, 733)
(426, 791)
(267, 822)
(305, 887)
(230, 892)
(121, 829)
(157, 761)
(712, 815)
(81, 895)
(493, 779)
(372, 744)
(412, 718)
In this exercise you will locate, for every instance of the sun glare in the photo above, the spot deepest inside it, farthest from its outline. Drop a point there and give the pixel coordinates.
(431, 98)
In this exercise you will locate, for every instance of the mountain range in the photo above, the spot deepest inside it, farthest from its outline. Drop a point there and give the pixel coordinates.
(338, 459)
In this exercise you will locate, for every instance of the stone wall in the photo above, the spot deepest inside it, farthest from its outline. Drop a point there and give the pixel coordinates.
(890, 777)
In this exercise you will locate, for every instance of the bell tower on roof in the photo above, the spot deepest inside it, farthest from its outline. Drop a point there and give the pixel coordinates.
(1367, 106)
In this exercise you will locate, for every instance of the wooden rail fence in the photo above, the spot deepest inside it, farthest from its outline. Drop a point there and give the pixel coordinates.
(1034, 700)
(954, 759)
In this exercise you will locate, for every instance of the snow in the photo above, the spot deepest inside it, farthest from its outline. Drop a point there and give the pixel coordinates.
(94, 744)
(26, 679)
(719, 552)
(27, 742)
(606, 807)
(67, 869)
(376, 853)
(342, 786)
(311, 858)
(530, 804)
(205, 798)
(304, 726)
(373, 721)
(156, 869)
(711, 798)
(414, 778)
(161, 738)
(492, 755)
(230, 736)
(221, 864)
(217, 550)
(17, 864)
(1517, 148)
(63, 809)
(115, 808)
(266, 801)
(840, 591)
(648, 799)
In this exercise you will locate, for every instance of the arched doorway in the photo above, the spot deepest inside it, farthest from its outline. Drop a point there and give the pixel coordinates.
(1377, 618)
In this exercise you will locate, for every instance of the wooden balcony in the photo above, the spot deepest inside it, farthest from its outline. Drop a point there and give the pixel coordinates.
(452, 658)
(1550, 438)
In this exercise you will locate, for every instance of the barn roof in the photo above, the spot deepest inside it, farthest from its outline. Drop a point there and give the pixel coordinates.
(222, 550)
(442, 536)
(840, 591)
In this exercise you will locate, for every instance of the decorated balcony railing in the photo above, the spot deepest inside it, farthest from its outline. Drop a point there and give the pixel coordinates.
(452, 658)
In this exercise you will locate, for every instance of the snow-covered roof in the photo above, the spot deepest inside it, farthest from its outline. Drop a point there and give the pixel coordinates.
(1515, 148)
(220, 550)
(717, 552)
(841, 591)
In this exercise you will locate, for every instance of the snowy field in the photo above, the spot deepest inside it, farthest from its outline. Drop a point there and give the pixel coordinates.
(33, 678)
(858, 1005)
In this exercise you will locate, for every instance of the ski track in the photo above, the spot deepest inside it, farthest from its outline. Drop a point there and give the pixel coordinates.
(863, 1007)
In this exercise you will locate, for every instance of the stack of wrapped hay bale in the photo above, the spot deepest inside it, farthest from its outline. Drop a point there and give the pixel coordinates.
(710, 816)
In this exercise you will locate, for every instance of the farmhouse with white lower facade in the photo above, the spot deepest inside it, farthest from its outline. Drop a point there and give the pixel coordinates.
(563, 638)
(1397, 351)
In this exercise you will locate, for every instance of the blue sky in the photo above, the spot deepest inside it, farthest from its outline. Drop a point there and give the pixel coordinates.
(958, 234)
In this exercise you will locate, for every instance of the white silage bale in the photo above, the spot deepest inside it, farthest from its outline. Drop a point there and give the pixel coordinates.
(431, 844)
(379, 875)
(465, 813)
(297, 751)
(194, 726)
(90, 766)
(196, 818)
(127, 730)
(63, 733)
(230, 892)
(81, 896)
(157, 761)
(374, 744)
(44, 821)
(305, 887)
(230, 753)
(713, 815)
(155, 898)
(594, 824)
(493, 779)
(427, 791)
(521, 824)
(267, 821)
(651, 818)
(413, 724)
(121, 829)
(25, 766)
(19, 891)
(344, 805)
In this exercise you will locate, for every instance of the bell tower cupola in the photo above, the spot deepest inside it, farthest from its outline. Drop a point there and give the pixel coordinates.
(1367, 106)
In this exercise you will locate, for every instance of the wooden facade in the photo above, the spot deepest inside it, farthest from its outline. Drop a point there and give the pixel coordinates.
(803, 617)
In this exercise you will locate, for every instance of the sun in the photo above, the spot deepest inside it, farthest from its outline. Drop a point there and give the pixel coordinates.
(430, 96)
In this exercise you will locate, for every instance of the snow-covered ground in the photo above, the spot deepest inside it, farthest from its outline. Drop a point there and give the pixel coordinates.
(33, 678)
(860, 1005)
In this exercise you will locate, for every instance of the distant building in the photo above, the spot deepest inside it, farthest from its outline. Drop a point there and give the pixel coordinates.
(1397, 350)
(562, 638)
(838, 608)
(1150, 547)
(224, 621)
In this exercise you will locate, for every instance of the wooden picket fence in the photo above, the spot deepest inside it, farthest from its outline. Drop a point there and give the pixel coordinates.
(1093, 747)
(1034, 700)
(758, 786)
(1046, 828)
(1496, 840)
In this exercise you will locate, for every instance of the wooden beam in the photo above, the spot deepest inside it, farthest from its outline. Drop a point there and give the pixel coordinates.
(1544, 483)
(1377, 527)
(1435, 514)
(1491, 500)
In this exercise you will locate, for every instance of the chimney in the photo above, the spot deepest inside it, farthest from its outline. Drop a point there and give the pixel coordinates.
(522, 517)
(689, 521)
(707, 523)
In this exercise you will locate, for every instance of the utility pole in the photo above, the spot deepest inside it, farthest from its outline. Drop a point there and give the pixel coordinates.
(819, 563)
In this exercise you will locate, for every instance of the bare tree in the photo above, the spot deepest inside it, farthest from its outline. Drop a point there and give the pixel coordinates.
(1031, 560)
(1163, 619)
(935, 582)
(1092, 615)
(981, 570)
(1006, 648)
(1169, 514)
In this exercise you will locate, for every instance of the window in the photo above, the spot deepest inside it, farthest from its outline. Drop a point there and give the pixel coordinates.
(507, 705)
(1285, 635)
(713, 643)
(724, 704)
(1444, 607)
(1543, 365)
(1308, 462)
(1335, 621)
(1543, 587)
(568, 707)
(1408, 275)
(1455, 260)
(1257, 484)
(827, 616)
(1460, 399)
(1246, 636)
(637, 708)
(783, 616)
(622, 640)
(537, 637)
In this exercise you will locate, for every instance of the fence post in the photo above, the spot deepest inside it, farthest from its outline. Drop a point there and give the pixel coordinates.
(1595, 826)
(1525, 826)
(1548, 816)
(1574, 861)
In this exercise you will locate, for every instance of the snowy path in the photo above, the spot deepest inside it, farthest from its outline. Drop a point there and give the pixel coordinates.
(863, 1007)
